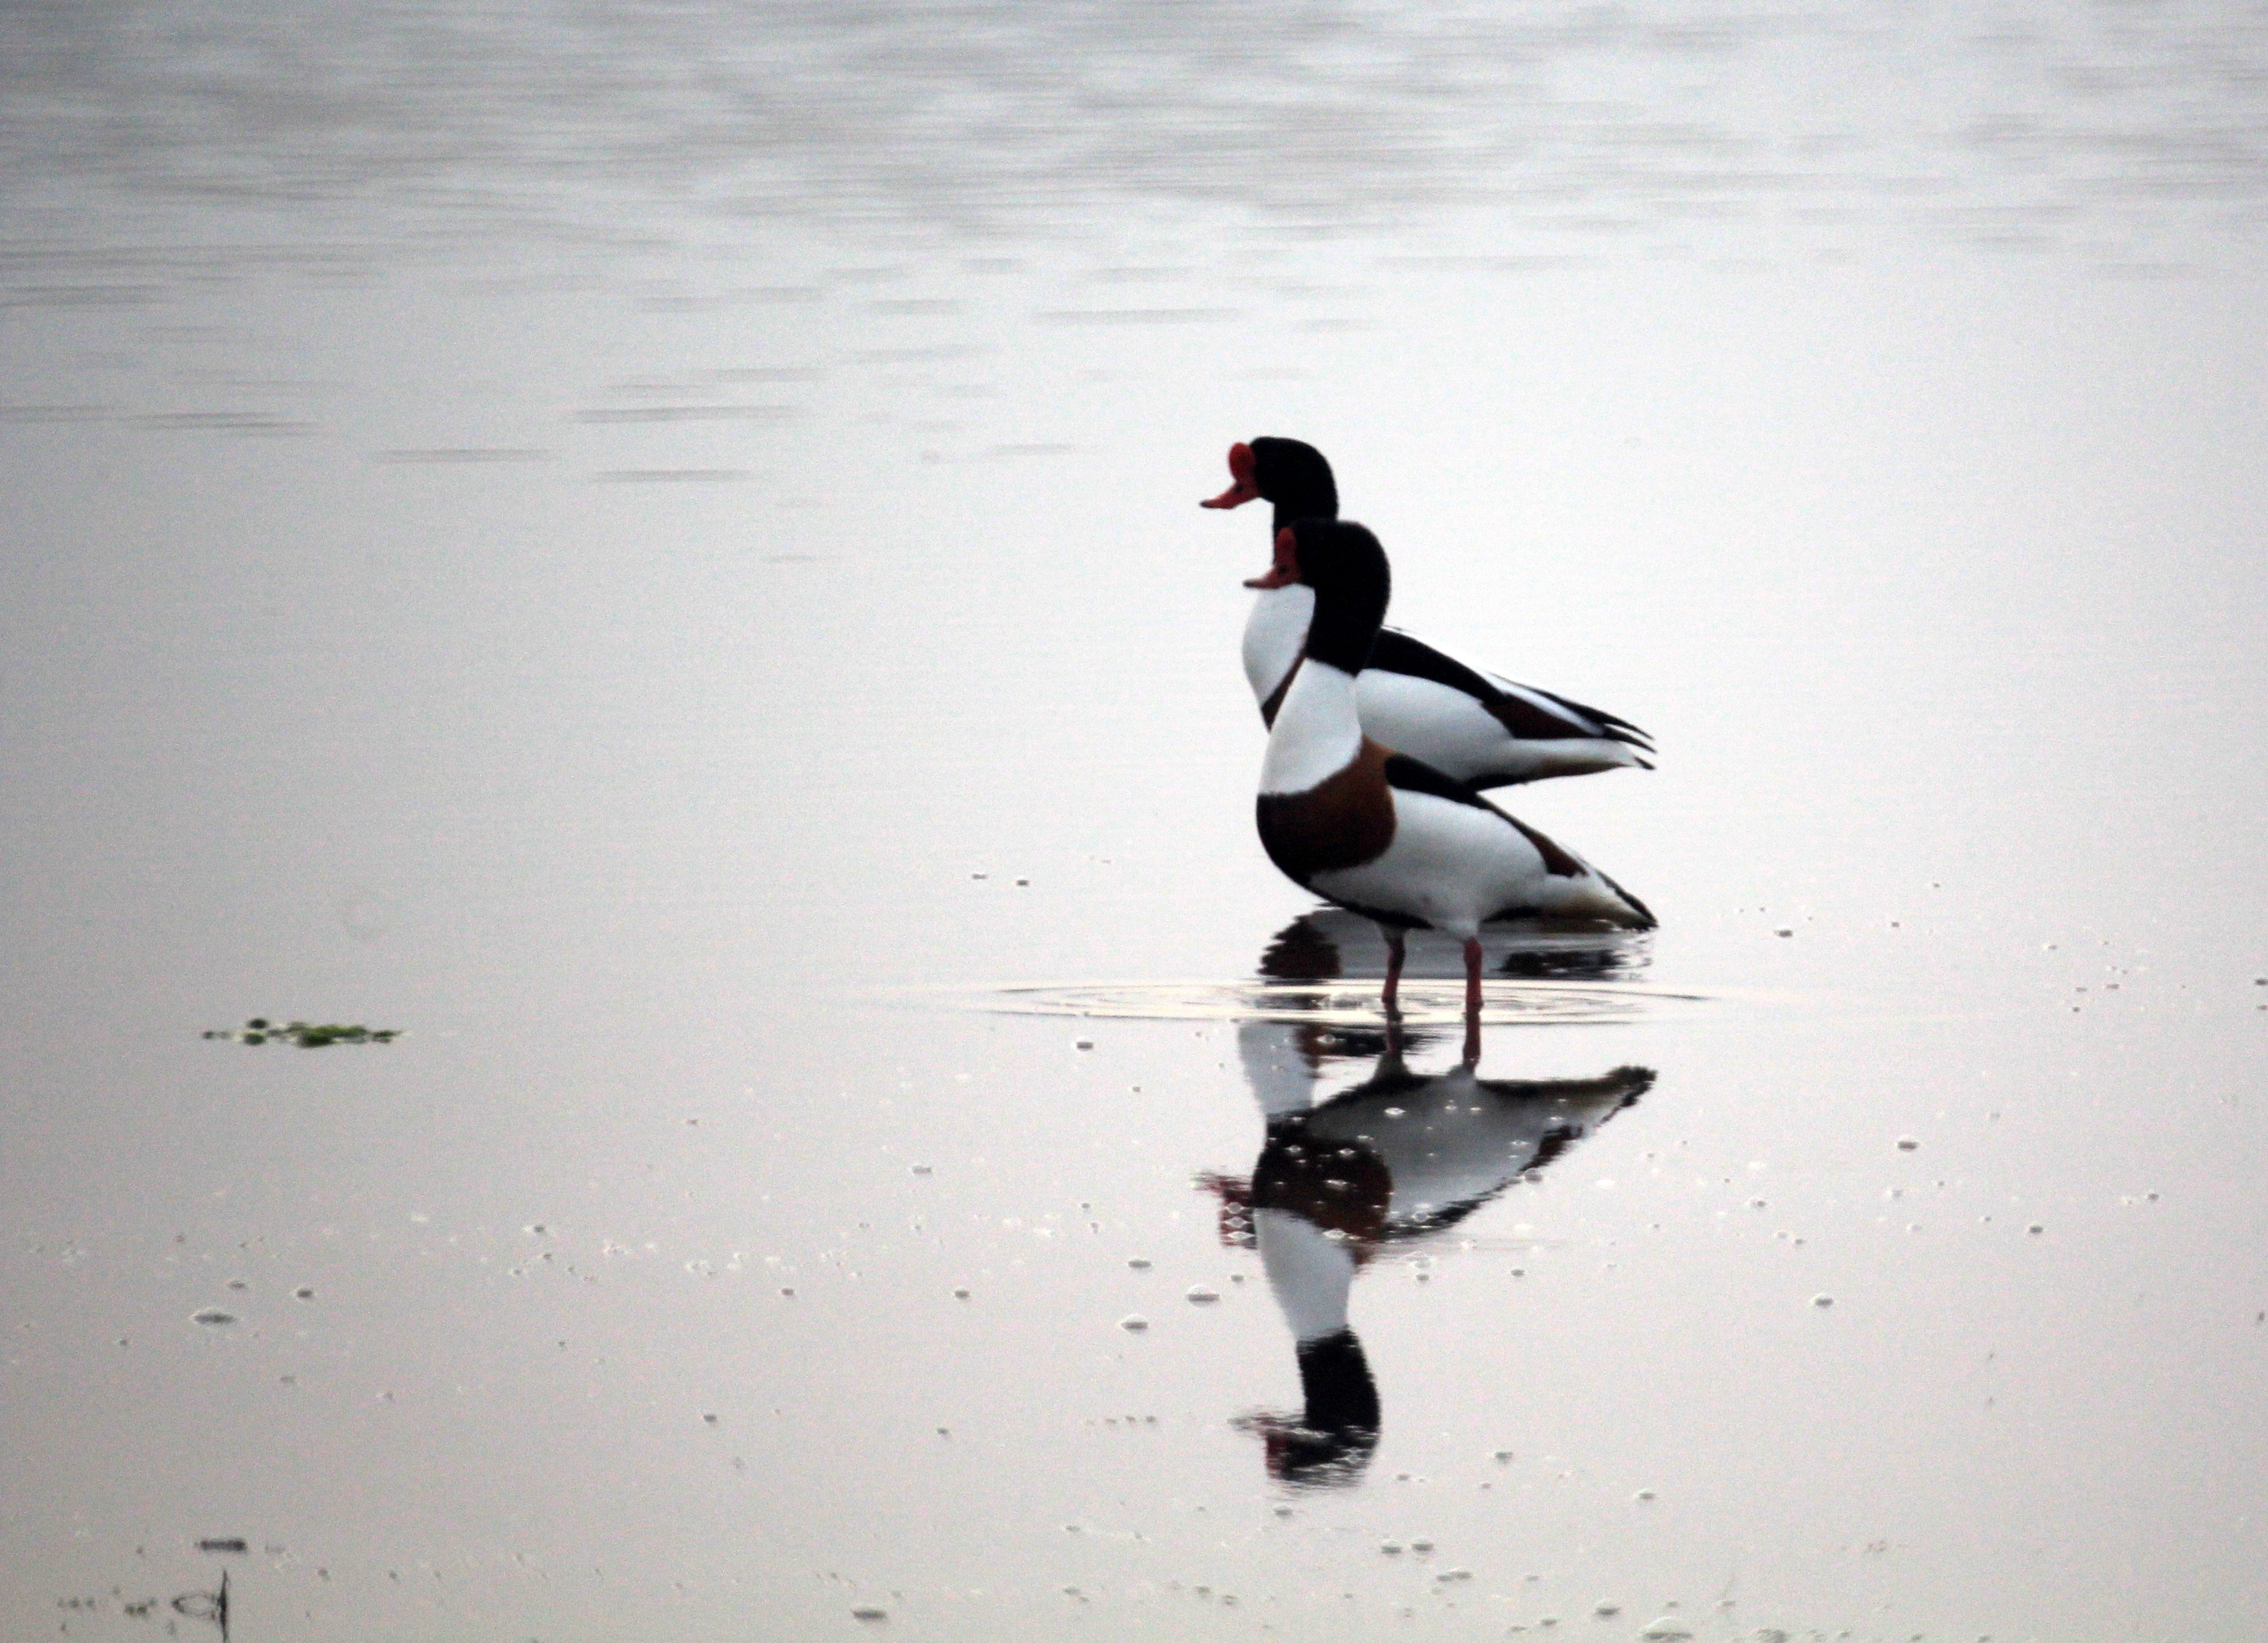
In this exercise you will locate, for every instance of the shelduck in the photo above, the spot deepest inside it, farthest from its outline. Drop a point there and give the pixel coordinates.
(1482, 729)
(1377, 831)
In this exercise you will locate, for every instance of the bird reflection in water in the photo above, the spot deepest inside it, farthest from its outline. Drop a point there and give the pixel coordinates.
(1397, 1157)
(1332, 943)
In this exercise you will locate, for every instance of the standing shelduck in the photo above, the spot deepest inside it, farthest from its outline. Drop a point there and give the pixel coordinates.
(1483, 730)
(1375, 830)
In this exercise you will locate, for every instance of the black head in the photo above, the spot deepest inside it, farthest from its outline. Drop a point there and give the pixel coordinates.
(1286, 471)
(1344, 563)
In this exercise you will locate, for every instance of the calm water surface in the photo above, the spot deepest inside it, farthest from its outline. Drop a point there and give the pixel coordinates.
(655, 552)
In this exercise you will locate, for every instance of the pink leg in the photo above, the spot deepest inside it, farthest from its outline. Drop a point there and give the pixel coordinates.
(1473, 1002)
(1396, 944)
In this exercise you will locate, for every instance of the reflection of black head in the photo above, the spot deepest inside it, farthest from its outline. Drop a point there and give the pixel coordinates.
(1294, 477)
(1335, 1439)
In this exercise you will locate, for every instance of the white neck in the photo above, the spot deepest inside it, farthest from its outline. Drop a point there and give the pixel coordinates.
(1316, 734)
(1310, 1271)
(1281, 1078)
(1273, 635)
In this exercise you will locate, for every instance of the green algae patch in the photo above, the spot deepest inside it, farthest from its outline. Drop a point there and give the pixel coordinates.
(306, 1034)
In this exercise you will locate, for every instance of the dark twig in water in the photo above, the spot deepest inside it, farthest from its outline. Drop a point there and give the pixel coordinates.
(211, 1606)
(306, 1034)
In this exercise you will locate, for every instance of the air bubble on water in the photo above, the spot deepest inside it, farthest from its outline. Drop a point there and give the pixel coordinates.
(1140, 1262)
(1083, 1043)
(1421, 1546)
(1822, 1301)
(303, 1294)
(1391, 1548)
(1907, 1143)
(213, 1318)
(1200, 1296)
(869, 1612)
(921, 1169)
(1607, 1612)
(1134, 1323)
(960, 1294)
(1645, 1494)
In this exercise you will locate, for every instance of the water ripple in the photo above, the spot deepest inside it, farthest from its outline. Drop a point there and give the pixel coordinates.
(1571, 118)
(1353, 1004)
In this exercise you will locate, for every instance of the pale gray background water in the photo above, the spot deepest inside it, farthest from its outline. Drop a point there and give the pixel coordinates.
(579, 533)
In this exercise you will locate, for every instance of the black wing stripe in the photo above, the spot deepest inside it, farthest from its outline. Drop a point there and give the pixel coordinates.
(1615, 727)
(1396, 652)
(1407, 774)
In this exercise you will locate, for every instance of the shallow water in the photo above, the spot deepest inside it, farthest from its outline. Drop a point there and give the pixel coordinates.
(655, 554)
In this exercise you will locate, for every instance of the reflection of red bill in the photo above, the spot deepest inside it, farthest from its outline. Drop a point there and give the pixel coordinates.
(1286, 569)
(1246, 489)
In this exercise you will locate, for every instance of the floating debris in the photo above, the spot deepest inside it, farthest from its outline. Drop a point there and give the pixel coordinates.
(868, 1612)
(306, 1034)
(224, 1545)
(214, 1318)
